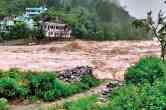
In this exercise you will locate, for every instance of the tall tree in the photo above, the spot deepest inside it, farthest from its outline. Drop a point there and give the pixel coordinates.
(103, 8)
(158, 28)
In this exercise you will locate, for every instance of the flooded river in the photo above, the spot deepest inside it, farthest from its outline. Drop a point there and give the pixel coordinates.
(109, 59)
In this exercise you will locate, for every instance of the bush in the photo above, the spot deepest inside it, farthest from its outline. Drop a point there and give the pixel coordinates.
(89, 81)
(145, 87)
(21, 31)
(85, 103)
(148, 69)
(144, 97)
(125, 98)
(13, 73)
(4, 104)
(49, 88)
(9, 88)
(152, 97)
(43, 85)
(17, 31)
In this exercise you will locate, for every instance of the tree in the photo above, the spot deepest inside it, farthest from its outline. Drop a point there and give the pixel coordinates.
(103, 10)
(158, 28)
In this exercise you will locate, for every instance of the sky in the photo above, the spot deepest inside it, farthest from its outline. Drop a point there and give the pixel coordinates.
(139, 8)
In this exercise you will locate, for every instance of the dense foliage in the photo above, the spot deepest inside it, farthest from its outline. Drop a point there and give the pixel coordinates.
(15, 7)
(45, 85)
(21, 31)
(98, 20)
(85, 103)
(148, 69)
(89, 19)
(145, 91)
(4, 104)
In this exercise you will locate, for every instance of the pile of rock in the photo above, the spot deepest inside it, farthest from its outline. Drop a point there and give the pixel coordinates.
(75, 74)
(109, 88)
(112, 85)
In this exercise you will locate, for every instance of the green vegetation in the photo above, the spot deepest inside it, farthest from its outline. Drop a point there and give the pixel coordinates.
(21, 31)
(15, 7)
(82, 103)
(4, 104)
(15, 84)
(133, 97)
(11, 89)
(98, 20)
(148, 69)
(85, 103)
(89, 19)
(145, 91)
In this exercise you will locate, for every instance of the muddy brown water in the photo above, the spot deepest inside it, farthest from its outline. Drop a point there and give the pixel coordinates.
(109, 59)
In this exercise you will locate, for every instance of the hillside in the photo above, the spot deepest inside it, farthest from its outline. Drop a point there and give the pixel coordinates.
(89, 19)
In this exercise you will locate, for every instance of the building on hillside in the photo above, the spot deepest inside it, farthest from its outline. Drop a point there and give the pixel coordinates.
(30, 12)
(6, 23)
(56, 30)
(30, 23)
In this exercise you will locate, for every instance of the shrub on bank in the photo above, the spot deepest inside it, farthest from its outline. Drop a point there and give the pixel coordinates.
(10, 88)
(148, 69)
(144, 97)
(48, 87)
(85, 103)
(4, 104)
(145, 87)
(44, 85)
(125, 98)
(89, 81)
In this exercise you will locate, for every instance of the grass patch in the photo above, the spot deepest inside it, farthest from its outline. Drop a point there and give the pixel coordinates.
(85, 103)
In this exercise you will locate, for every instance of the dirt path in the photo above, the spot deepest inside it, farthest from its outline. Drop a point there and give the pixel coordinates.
(93, 91)
(109, 59)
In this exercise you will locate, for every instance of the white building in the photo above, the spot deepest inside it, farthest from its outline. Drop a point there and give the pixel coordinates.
(6, 23)
(56, 30)
(30, 12)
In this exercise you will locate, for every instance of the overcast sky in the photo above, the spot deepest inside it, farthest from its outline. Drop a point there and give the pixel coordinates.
(139, 8)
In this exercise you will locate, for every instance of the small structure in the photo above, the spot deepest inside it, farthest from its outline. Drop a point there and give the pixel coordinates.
(56, 30)
(6, 23)
(30, 12)
(30, 23)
